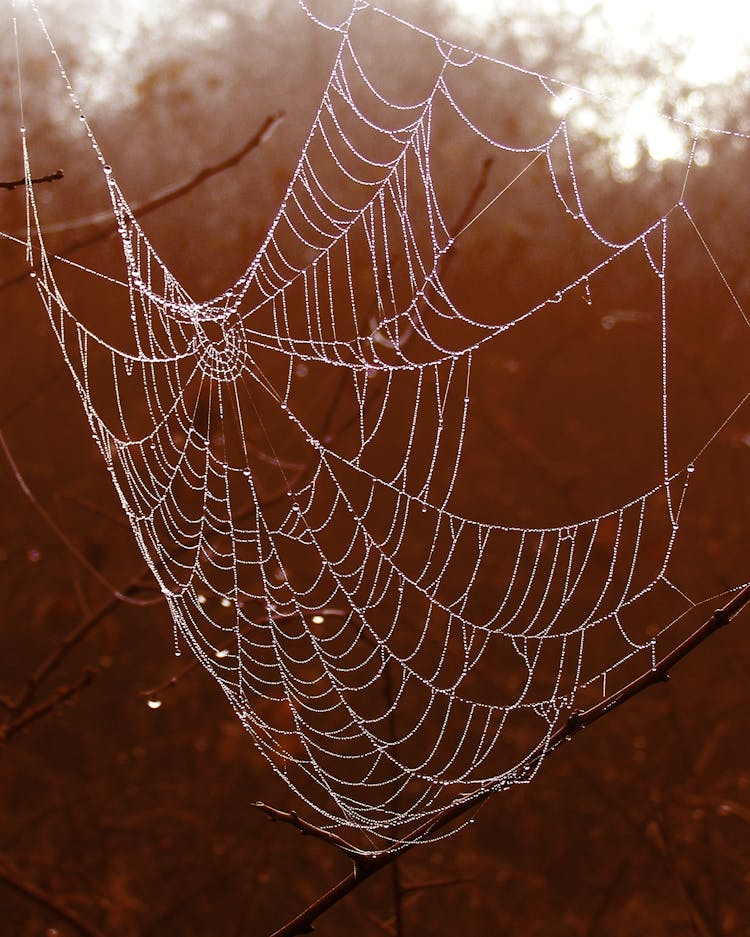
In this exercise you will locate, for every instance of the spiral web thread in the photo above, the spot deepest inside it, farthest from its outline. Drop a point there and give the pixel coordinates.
(325, 579)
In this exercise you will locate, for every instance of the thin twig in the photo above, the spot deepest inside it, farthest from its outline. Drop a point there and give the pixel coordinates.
(397, 887)
(409, 893)
(71, 640)
(172, 193)
(594, 926)
(11, 877)
(384, 926)
(303, 922)
(414, 888)
(309, 829)
(49, 520)
(397, 884)
(168, 195)
(462, 222)
(63, 695)
(114, 518)
(656, 831)
(17, 183)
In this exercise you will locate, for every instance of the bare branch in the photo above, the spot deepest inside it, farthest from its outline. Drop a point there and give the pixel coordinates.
(71, 640)
(397, 887)
(384, 926)
(594, 926)
(576, 722)
(10, 876)
(657, 833)
(171, 194)
(309, 829)
(17, 183)
(63, 695)
(416, 887)
(472, 201)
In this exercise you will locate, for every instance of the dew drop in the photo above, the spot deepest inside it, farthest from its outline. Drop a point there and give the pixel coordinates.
(153, 703)
(222, 653)
(318, 620)
(691, 469)
(201, 599)
(225, 603)
(107, 169)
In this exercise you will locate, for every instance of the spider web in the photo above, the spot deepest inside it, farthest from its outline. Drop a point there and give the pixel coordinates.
(387, 652)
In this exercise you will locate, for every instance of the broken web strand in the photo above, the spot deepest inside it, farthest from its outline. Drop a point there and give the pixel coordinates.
(271, 653)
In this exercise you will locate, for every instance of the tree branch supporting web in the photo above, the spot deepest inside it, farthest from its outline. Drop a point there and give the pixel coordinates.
(366, 865)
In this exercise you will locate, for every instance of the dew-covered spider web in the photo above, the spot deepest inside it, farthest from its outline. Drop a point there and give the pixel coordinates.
(292, 454)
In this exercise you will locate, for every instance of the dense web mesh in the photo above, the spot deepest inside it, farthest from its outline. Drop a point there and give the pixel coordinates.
(388, 652)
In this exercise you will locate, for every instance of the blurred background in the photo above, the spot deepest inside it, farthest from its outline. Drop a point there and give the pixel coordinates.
(121, 818)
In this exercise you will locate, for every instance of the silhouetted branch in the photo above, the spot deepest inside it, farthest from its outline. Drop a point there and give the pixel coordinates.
(309, 829)
(657, 833)
(17, 706)
(384, 926)
(118, 519)
(17, 183)
(397, 887)
(575, 723)
(394, 926)
(168, 195)
(471, 203)
(411, 888)
(594, 925)
(10, 876)
(63, 695)
(172, 193)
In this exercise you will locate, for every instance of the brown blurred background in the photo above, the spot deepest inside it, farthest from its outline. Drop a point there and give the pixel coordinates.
(139, 820)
